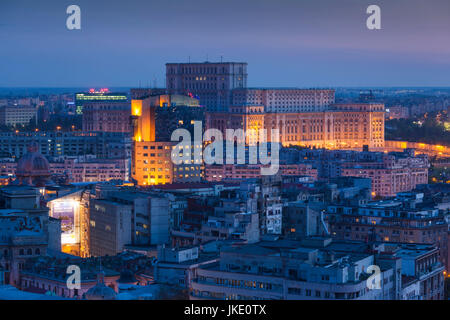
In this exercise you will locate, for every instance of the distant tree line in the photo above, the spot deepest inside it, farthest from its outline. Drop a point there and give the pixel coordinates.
(429, 131)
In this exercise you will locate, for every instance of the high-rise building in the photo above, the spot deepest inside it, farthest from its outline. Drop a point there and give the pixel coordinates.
(211, 82)
(150, 160)
(154, 118)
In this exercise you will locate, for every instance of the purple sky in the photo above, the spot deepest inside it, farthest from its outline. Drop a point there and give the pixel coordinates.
(304, 43)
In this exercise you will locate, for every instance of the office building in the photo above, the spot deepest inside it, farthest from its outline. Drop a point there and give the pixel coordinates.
(110, 227)
(17, 115)
(151, 158)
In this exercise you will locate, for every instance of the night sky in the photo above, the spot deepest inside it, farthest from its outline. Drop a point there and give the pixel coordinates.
(302, 43)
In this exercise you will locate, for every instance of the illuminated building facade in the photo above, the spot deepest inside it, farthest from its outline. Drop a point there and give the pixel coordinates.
(103, 95)
(158, 116)
(152, 163)
(392, 175)
(67, 210)
(340, 126)
(211, 82)
(247, 118)
(151, 160)
(85, 198)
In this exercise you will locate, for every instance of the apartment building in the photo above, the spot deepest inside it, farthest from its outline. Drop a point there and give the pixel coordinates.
(396, 172)
(406, 219)
(422, 272)
(282, 269)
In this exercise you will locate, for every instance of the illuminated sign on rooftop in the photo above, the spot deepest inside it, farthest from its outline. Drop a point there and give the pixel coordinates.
(103, 95)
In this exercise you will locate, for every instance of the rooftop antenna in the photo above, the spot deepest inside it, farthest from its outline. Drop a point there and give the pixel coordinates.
(100, 273)
(189, 59)
(221, 59)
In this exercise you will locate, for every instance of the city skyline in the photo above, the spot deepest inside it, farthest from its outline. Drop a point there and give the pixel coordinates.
(256, 150)
(297, 44)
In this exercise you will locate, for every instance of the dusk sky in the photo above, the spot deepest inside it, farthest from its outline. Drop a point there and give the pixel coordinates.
(294, 43)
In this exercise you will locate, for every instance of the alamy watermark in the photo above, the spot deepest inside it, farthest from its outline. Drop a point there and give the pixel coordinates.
(373, 22)
(374, 281)
(73, 21)
(258, 147)
(74, 280)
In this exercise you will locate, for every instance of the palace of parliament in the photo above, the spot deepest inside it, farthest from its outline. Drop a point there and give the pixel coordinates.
(305, 117)
(217, 94)
(340, 126)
